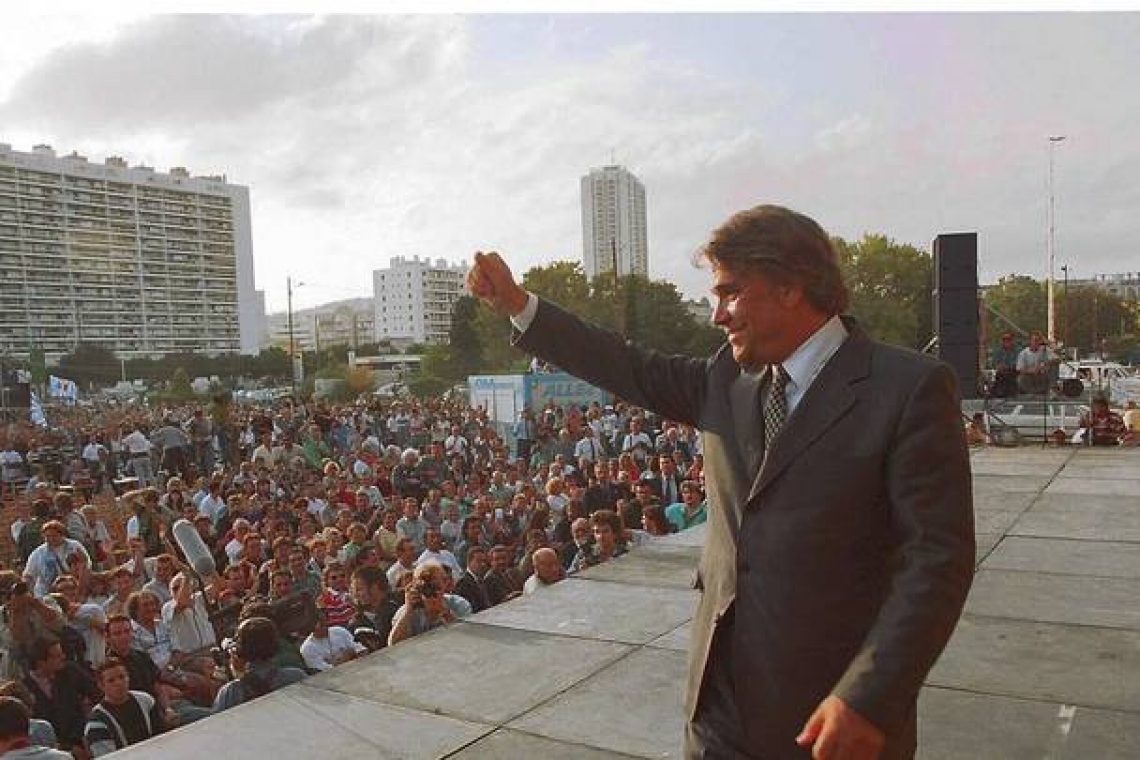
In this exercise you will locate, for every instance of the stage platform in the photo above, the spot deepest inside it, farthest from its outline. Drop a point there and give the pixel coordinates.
(1045, 663)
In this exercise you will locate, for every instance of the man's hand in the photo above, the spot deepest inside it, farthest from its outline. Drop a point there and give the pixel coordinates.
(490, 280)
(836, 732)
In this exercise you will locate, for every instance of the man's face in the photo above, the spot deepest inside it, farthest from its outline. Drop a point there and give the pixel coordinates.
(411, 509)
(604, 535)
(119, 637)
(546, 567)
(364, 595)
(581, 531)
(755, 315)
(668, 466)
(54, 537)
(297, 562)
(164, 569)
(1035, 341)
(499, 560)
(282, 585)
(434, 540)
(477, 562)
(338, 579)
(55, 659)
(115, 684)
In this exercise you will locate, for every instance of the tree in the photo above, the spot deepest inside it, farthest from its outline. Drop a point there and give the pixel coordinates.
(90, 363)
(1016, 303)
(563, 282)
(465, 346)
(890, 286)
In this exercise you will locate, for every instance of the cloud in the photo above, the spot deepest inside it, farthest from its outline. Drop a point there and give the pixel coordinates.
(363, 137)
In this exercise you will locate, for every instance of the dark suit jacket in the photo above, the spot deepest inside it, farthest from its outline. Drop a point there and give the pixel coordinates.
(847, 557)
(473, 590)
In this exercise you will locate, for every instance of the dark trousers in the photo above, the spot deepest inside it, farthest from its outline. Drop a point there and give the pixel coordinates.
(715, 732)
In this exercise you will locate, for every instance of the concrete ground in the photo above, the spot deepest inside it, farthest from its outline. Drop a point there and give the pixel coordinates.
(1045, 663)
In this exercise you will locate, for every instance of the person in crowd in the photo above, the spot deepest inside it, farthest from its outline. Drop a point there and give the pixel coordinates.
(1035, 365)
(547, 571)
(252, 659)
(123, 716)
(427, 605)
(59, 691)
(1101, 426)
(374, 603)
(51, 558)
(16, 741)
(329, 645)
(690, 510)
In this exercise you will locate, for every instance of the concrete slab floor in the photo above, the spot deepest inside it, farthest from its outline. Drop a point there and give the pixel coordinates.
(1100, 518)
(513, 745)
(959, 724)
(635, 707)
(1078, 599)
(597, 610)
(1106, 559)
(501, 665)
(303, 722)
(1082, 665)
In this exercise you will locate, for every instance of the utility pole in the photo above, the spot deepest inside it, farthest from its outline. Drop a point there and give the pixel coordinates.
(289, 298)
(1053, 140)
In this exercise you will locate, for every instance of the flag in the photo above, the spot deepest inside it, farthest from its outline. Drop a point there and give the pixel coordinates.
(36, 412)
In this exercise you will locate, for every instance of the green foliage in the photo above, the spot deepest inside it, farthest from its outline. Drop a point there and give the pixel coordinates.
(89, 363)
(465, 346)
(563, 282)
(1016, 303)
(890, 286)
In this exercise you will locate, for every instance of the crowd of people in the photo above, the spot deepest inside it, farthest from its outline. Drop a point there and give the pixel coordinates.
(168, 563)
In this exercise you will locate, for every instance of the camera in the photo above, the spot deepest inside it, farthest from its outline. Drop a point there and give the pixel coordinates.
(427, 589)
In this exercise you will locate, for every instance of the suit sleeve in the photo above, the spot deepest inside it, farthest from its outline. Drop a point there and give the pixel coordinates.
(931, 506)
(673, 386)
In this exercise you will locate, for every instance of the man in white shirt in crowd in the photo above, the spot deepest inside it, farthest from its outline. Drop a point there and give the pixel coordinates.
(435, 552)
(547, 570)
(138, 448)
(329, 645)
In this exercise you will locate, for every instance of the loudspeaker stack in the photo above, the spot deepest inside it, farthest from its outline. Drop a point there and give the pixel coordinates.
(956, 307)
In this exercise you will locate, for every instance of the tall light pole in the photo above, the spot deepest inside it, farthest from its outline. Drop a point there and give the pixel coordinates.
(1053, 140)
(292, 348)
(1065, 321)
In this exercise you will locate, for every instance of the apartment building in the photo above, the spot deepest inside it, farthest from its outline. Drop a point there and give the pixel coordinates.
(613, 222)
(414, 298)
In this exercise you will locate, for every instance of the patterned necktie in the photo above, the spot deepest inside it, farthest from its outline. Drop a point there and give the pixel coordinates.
(776, 405)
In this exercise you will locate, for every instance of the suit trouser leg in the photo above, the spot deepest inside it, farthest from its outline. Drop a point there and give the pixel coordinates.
(715, 732)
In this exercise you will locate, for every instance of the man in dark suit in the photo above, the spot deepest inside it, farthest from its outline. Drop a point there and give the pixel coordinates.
(840, 542)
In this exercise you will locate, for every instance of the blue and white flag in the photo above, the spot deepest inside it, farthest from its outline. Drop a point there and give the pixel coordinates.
(60, 387)
(36, 412)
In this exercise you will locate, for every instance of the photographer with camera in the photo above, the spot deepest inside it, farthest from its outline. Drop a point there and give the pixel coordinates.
(427, 604)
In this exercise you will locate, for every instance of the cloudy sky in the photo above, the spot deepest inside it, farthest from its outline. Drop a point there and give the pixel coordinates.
(363, 138)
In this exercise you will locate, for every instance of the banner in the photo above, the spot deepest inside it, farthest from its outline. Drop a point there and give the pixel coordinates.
(60, 387)
(36, 412)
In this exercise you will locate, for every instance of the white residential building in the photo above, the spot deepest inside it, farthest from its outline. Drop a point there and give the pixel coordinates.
(340, 323)
(613, 222)
(142, 262)
(414, 298)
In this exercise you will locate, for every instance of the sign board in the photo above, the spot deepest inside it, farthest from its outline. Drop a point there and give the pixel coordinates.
(503, 396)
(562, 389)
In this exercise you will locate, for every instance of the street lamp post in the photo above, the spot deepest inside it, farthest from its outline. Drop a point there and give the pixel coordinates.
(292, 347)
(1065, 296)
(1053, 140)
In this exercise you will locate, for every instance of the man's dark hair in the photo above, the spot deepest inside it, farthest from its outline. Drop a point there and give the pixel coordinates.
(371, 576)
(256, 639)
(40, 650)
(107, 664)
(785, 246)
(607, 517)
(14, 717)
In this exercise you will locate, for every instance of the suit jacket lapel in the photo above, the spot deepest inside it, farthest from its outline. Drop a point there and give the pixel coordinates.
(744, 397)
(826, 401)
